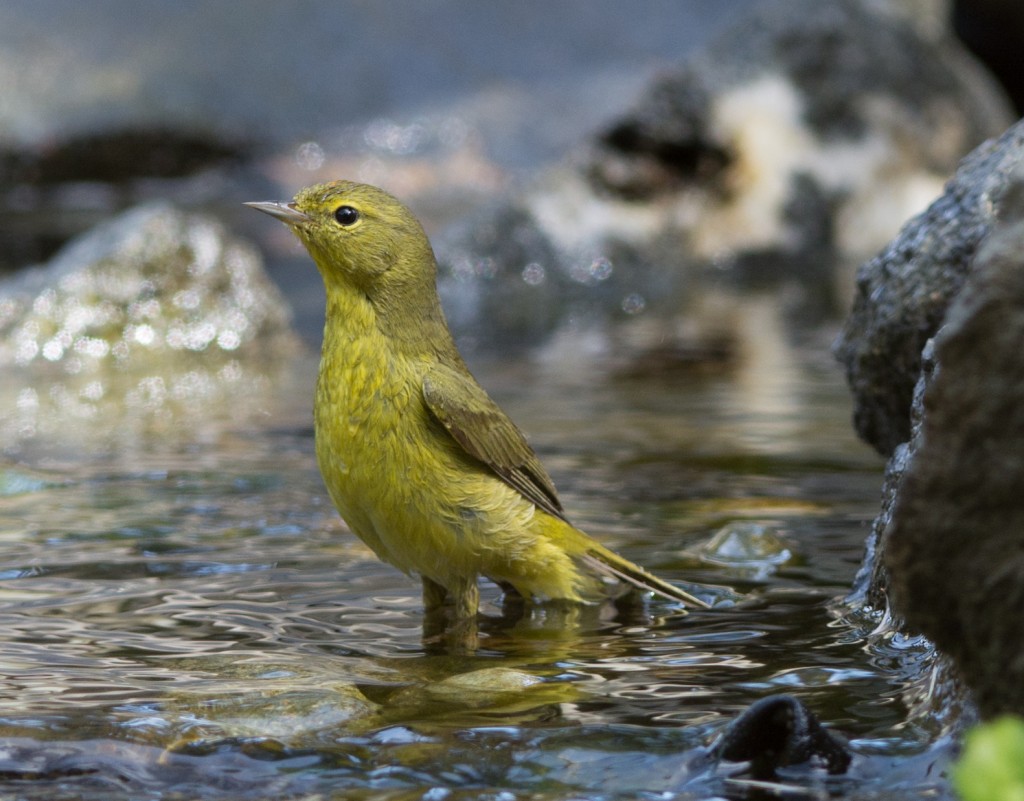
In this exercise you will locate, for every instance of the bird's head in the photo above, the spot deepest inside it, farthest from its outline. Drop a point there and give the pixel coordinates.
(375, 259)
(360, 237)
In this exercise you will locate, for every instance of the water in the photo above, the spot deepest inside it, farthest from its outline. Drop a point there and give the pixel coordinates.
(187, 617)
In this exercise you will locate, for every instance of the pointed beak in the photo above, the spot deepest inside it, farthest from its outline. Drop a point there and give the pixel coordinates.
(285, 212)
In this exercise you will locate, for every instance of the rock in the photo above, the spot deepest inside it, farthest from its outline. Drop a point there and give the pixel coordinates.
(993, 30)
(782, 153)
(952, 546)
(117, 156)
(488, 690)
(60, 770)
(932, 18)
(780, 732)
(902, 295)
(292, 712)
(932, 352)
(805, 128)
(155, 308)
(152, 283)
(871, 584)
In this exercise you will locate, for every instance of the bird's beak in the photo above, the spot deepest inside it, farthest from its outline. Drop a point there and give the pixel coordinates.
(285, 212)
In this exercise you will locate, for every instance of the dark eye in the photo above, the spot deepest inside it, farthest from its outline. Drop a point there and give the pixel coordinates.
(346, 215)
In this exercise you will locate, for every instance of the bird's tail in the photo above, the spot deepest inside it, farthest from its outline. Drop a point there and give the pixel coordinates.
(608, 563)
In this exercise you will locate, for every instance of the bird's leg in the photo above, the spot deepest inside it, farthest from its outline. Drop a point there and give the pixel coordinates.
(434, 595)
(466, 597)
(631, 608)
(463, 595)
(449, 619)
(513, 605)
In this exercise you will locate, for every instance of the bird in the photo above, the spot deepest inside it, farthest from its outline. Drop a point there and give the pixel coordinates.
(420, 462)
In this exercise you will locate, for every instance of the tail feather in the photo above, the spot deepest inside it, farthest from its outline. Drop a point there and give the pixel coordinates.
(606, 562)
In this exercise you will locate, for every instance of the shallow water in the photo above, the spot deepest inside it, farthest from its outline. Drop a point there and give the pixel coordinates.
(191, 619)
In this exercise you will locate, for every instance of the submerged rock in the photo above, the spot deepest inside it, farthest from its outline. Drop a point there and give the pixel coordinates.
(92, 768)
(291, 707)
(154, 308)
(292, 712)
(494, 691)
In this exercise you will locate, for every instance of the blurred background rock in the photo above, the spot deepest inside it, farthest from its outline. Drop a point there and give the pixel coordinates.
(710, 113)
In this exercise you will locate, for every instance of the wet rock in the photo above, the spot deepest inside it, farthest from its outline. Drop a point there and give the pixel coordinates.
(780, 732)
(871, 584)
(952, 546)
(783, 152)
(153, 283)
(155, 307)
(903, 293)
(477, 283)
(506, 280)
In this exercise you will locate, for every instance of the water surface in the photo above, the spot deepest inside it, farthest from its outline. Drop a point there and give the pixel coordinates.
(186, 616)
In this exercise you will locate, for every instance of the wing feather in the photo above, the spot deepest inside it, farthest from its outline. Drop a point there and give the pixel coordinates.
(487, 434)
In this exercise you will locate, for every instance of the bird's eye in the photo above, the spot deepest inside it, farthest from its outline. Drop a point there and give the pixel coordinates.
(346, 215)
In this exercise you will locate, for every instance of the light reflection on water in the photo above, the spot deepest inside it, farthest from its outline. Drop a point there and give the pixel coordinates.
(140, 599)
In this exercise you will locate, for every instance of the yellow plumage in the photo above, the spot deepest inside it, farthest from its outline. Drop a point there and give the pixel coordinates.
(421, 463)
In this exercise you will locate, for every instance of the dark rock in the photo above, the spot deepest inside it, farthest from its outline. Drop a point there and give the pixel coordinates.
(953, 547)
(780, 732)
(994, 31)
(669, 138)
(118, 156)
(840, 58)
(903, 293)
(52, 191)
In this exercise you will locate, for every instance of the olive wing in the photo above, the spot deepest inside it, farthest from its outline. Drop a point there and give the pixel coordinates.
(486, 433)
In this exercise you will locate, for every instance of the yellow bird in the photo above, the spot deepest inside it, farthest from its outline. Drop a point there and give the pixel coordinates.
(423, 466)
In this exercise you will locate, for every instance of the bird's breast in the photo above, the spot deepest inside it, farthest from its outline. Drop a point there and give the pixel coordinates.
(400, 481)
